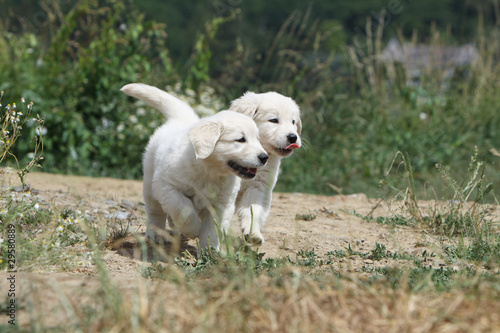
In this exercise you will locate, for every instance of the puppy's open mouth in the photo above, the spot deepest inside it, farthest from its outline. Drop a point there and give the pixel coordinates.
(287, 150)
(242, 171)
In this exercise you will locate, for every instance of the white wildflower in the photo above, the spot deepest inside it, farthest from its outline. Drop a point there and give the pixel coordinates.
(43, 131)
(133, 119)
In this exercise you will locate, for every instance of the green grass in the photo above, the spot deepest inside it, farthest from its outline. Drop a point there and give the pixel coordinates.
(462, 222)
(305, 217)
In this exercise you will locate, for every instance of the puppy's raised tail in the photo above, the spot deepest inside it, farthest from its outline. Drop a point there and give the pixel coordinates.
(171, 107)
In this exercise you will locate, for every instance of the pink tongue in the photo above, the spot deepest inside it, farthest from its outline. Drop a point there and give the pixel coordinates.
(293, 146)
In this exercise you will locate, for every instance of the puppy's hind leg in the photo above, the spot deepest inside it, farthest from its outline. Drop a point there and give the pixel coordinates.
(155, 230)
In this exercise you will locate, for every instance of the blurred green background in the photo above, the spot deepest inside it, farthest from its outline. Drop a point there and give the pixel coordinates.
(435, 101)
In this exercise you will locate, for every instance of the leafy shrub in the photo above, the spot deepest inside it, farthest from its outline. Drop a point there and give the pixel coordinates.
(357, 112)
(98, 46)
(355, 124)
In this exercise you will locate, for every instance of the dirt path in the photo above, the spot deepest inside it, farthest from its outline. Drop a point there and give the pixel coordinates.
(334, 227)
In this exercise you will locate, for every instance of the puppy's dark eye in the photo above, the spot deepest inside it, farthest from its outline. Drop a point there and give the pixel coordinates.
(242, 140)
(274, 120)
(293, 122)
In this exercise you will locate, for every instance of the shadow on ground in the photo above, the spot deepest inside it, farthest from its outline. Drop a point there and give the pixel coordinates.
(137, 247)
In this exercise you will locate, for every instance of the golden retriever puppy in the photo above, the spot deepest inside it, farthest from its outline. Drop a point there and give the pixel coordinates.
(278, 120)
(193, 167)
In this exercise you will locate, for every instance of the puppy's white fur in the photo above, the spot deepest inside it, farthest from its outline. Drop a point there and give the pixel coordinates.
(191, 166)
(279, 123)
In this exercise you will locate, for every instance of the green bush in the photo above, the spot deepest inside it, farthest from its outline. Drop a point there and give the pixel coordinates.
(357, 111)
(91, 127)
(351, 141)
(354, 125)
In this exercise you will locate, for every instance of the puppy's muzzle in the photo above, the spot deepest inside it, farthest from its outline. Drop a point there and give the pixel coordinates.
(246, 172)
(292, 139)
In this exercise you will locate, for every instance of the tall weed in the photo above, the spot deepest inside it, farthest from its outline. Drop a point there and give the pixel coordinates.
(12, 121)
(462, 218)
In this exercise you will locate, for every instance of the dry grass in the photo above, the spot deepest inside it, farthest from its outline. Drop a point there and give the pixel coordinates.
(295, 302)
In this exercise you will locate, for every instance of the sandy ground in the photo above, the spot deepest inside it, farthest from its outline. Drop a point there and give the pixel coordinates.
(335, 227)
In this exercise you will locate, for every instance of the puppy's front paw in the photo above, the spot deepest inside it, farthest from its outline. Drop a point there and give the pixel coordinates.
(152, 237)
(163, 236)
(255, 239)
(155, 237)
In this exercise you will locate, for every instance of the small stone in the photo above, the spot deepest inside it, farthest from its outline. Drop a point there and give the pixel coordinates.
(21, 188)
(118, 215)
(127, 204)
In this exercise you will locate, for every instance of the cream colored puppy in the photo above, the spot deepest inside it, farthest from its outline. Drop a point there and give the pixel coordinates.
(193, 167)
(278, 120)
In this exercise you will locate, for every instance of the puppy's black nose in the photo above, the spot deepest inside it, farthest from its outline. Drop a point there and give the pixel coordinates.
(292, 138)
(263, 158)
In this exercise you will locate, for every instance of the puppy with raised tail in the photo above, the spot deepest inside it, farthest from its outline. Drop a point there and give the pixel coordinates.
(193, 167)
(278, 120)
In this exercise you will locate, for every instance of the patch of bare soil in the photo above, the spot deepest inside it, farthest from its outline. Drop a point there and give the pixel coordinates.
(335, 226)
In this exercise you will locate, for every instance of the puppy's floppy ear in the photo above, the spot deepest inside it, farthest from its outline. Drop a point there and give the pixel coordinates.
(248, 104)
(204, 136)
(299, 126)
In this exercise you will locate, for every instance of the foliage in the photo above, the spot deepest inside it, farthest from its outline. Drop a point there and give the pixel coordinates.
(358, 111)
(95, 49)
(202, 55)
(305, 217)
(261, 20)
(356, 124)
